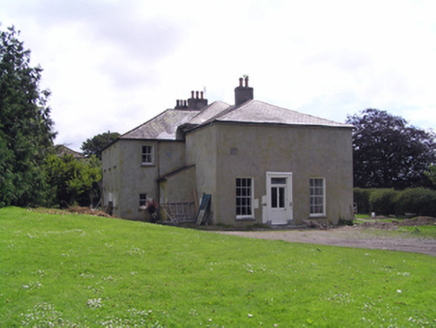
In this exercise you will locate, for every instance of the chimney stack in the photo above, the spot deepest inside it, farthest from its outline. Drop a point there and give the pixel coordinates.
(197, 101)
(243, 93)
(181, 104)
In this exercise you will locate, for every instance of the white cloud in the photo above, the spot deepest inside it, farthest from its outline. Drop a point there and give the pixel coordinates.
(112, 65)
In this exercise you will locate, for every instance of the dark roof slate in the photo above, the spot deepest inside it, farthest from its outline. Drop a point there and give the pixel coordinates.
(164, 126)
(161, 127)
(255, 111)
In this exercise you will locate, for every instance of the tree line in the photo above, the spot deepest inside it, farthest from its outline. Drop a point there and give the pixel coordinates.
(31, 171)
(390, 153)
(387, 151)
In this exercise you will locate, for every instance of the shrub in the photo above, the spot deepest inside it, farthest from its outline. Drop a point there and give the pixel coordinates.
(343, 222)
(361, 198)
(383, 201)
(417, 201)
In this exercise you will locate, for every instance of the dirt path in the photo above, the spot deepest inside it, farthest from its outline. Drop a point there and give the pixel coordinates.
(346, 237)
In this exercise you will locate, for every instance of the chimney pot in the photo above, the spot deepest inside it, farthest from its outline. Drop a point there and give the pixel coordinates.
(243, 94)
(192, 94)
(201, 94)
(196, 94)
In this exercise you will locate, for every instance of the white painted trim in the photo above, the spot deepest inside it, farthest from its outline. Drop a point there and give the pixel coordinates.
(324, 213)
(152, 156)
(289, 196)
(247, 217)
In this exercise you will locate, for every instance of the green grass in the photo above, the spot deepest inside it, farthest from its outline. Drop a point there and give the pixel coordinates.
(418, 232)
(362, 216)
(85, 271)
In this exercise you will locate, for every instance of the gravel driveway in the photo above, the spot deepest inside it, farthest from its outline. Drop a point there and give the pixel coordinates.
(346, 237)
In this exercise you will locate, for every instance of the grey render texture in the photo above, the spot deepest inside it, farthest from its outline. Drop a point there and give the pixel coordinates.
(215, 149)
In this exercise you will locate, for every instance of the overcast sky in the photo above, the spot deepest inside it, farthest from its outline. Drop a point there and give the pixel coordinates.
(114, 64)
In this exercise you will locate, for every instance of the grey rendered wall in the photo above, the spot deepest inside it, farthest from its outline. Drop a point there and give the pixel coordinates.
(178, 187)
(251, 151)
(111, 177)
(171, 156)
(130, 178)
(201, 150)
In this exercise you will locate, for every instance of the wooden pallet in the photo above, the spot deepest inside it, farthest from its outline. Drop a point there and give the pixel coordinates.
(179, 212)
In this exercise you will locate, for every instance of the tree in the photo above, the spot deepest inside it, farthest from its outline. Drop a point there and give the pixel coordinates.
(387, 153)
(97, 143)
(25, 126)
(73, 182)
(431, 173)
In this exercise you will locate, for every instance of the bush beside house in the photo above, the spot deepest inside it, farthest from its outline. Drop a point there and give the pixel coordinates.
(418, 201)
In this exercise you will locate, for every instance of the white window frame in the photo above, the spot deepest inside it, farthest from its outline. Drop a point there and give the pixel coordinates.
(149, 154)
(250, 197)
(316, 198)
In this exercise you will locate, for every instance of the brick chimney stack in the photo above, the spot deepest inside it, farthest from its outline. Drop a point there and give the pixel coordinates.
(196, 102)
(243, 93)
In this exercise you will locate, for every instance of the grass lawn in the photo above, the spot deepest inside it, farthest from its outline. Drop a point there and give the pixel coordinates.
(83, 271)
(403, 231)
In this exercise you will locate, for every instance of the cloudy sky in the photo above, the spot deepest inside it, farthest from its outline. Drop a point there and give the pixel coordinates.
(114, 64)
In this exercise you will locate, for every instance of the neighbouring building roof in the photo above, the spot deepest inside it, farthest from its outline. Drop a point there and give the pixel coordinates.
(64, 150)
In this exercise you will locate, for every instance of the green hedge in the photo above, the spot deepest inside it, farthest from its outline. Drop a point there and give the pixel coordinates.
(361, 199)
(383, 201)
(419, 201)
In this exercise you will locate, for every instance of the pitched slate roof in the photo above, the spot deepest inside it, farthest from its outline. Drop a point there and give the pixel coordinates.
(164, 126)
(161, 127)
(255, 111)
(211, 111)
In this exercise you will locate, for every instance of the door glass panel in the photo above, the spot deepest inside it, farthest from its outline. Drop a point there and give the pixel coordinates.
(278, 197)
(281, 191)
(274, 197)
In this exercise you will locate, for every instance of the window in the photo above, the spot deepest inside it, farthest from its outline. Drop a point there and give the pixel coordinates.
(147, 155)
(244, 197)
(317, 197)
(142, 200)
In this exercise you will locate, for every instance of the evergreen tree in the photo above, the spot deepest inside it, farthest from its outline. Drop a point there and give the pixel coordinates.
(74, 182)
(25, 126)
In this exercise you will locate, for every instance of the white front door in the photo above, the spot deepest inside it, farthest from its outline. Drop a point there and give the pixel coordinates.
(279, 197)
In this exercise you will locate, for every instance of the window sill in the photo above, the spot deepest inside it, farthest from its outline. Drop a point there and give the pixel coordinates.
(147, 164)
(317, 216)
(245, 218)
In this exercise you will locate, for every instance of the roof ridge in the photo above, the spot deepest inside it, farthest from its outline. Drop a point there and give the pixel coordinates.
(228, 110)
(209, 106)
